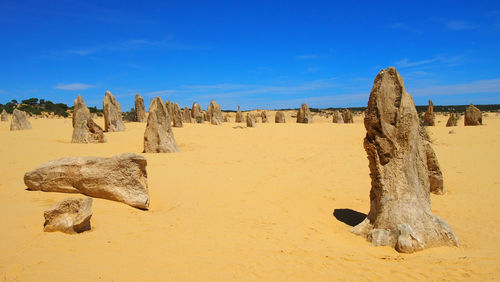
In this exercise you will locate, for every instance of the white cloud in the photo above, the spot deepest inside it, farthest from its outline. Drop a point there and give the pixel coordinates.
(73, 86)
(460, 25)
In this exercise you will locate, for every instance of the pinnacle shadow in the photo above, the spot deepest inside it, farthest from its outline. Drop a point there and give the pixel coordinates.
(349, 217)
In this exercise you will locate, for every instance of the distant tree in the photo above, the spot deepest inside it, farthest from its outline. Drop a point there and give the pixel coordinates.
(31, 101)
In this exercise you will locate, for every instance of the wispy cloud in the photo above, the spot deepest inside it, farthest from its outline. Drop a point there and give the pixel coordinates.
(73, 86)
(460, 25)
(405, 27)
(159, 93)
(127, 46)
(313, 69)
(474, 87)
(308, 57)
(438, 60)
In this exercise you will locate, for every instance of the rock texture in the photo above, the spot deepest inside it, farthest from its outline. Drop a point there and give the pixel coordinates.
(279, 117)
(226, 118)
(429, 115)
(170, 109)
(196, 113)
(435, 174)
(251, 122)
(239, 116)
(186, 116)
(452, 120)
(215, 114)
(140, 110)
(337, 117)
(121, 178)
(347, 116)
(112, 114)
(4, 116)
(176, 115)
(304, 114)
(400, 212)
(19, 121)
(263, 116)
(158, 137)
(69, 216)
(85, 130)
(473, 116)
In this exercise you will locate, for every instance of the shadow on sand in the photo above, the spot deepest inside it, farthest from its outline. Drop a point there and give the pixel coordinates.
(348, 216)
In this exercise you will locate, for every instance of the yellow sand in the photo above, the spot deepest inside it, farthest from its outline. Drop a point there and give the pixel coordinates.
(246, 204)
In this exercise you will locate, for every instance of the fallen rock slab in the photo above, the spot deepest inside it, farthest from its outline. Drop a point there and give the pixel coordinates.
(122, 178)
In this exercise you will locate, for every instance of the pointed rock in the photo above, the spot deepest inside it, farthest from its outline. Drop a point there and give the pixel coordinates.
(85, 130)
(251, 120)
(452, 120)
(400, 212)
(337, 117)
(186, 115)
(196, 113)
(215, 113)
(177, 115)
(19, 121)
(69, 216)
(140, 110)
(158, 137)
(279, 117)
(112, 114)
(304, 114)
(239, 116)
(121, 178)
(429, 117)
(347, 116)
(263, 116)
(473, 116)
(4, 115)
(436, 185)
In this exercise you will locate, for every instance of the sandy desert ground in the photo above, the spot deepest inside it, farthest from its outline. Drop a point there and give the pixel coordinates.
(246, 204)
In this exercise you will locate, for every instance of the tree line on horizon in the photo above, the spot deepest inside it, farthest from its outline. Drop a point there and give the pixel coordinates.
(36, 106)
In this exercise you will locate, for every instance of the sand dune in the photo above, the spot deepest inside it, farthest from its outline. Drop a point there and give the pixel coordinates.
(247, 204)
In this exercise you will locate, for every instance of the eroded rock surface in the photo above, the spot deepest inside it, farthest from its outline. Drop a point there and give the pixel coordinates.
(337, 117)
(140, 109)
(239, 116)
(400, 212)
(176, 115)
(85, 130)
(473, 116)
(121, 178)
(251, 120)
(304, 114)
(347, 116)
(19, 121)
(159, 137)
(279, 117)
(112, 114)
(69, 216)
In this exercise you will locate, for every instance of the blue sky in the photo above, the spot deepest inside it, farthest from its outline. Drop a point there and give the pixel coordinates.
(259, 54)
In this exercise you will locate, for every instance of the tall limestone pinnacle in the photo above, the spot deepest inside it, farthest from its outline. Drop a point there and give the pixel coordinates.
(85, 130)
(158, 137)
(400, 212)
(140, 110)
(112, 114)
